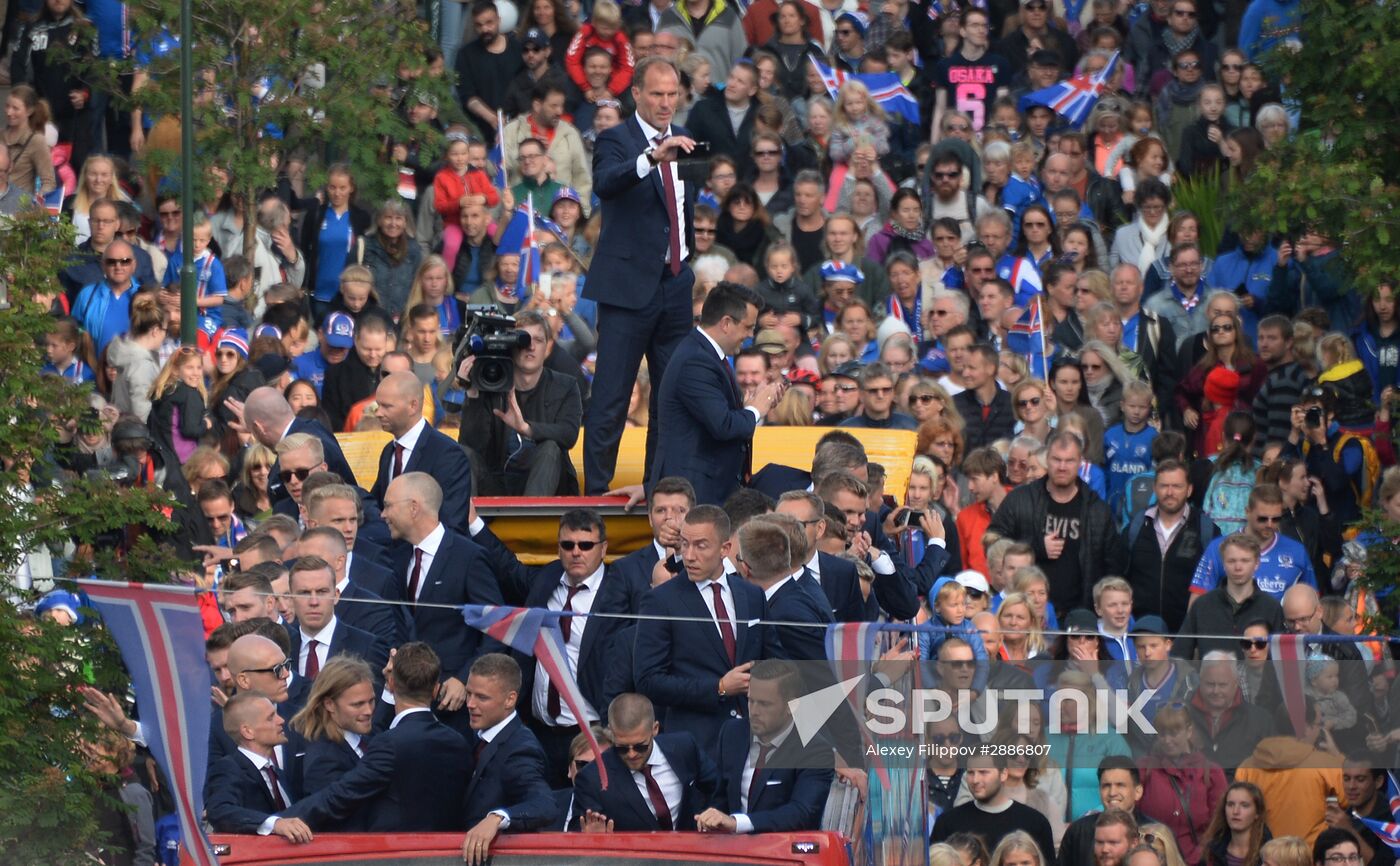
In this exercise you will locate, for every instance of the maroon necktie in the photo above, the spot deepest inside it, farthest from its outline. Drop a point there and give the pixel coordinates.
(764, 750)
(270, 770)
(481, 745)
(415, 576)
(551, 701)
(313, 663)
(398, 460)
(658, 800)
(726, 631)
(668, 186)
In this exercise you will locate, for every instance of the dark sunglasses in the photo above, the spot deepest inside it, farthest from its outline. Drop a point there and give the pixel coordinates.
(960, 664)
(1256, 643)
(1189, 64)
(973, 592)
(579, 545)
(1184, 13)
(126, 263)
(946, 739)
(287, 474)
(1232, 67)
(631, 748)
(947, 175)
(279, 670)
(1034, 401)
(1222, 329)
(767, 153)
(924, 399)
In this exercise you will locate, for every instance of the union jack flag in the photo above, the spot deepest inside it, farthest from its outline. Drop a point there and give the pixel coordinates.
(1075, 97)
(535, 632)
(1388, 831)
(1027, 338)
(161, 636)
(885, 88)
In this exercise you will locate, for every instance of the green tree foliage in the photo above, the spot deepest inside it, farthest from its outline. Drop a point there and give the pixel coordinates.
(48, 801)
(273, 79)
(1341, 174)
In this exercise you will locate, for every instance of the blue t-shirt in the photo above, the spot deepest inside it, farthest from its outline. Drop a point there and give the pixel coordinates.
(1126, 454)
(209, 280)
(311, 366)
(1281, 565)
(337, 236)
(113, 28)
(76, 371)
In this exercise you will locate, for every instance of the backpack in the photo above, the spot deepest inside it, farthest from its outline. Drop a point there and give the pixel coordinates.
(1370, 467)
(1227, 496)
(168, 840)
(1139, 494)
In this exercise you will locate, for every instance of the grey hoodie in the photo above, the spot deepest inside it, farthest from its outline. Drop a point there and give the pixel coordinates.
(137, 368)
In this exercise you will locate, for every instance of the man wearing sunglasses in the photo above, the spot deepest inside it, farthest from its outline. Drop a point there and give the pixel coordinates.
(1036, 33)
(86, 266)
(579, 582)
(1283, 561)
(103, 307)
(877, 402)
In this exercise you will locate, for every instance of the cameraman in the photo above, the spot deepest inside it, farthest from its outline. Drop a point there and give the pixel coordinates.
(138, 461)
(523, 448)
(1333, 455)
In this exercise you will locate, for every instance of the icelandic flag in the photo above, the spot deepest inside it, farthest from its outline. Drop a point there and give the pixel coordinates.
(885, 88)
(535, 632)
(1027, 338)
(1075, 97)
(161, 636)
(497, 154)
(1023, 276)
(53, 201)
(529, 275)
(1388, 831)
(1289, 655)
(851, 648)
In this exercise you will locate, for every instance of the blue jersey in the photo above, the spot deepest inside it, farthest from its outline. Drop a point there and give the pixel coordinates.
(311, 366)
(76, 372)
(1125, 454)
(1282, 564)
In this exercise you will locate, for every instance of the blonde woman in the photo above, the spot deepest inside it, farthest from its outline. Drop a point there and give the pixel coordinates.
(205, 464)
(178, 404)
(1034, 405)
(432, 285)
(251, 499)
(1021, 636)
(1285, 851)
(96, 180)
(1017, 848)
(837, 349)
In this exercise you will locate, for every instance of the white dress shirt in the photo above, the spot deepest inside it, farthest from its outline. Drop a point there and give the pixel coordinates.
(666, 779)
(323, 640)
(709, 597)
(814, 565)
(583, 603)
(401, 716)
(409, 441)
(773, 590)
(429, 545)
(262, 763)
(644, 168)
(354, 740)
(741, 818)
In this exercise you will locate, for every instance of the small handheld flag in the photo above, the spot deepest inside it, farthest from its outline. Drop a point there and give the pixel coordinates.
(1075, 97)
(885, 88)
(1027, 339)
(497, 153)
(1387, 831)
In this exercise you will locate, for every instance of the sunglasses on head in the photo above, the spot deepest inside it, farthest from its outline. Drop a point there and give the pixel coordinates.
(287, 474)
(578, 545)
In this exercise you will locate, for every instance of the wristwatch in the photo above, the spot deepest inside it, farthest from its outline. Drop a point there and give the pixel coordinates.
(650, 154)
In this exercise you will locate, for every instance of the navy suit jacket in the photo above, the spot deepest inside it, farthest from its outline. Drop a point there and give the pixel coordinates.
(679, 663)
(623, 801)
(636, 232)
(371, 551)
(531, 586)
(704, 433)
(776, 479)
(236, 798)
(410, 780)
(335, 458)
(221, 745)
(789, 793)
(840, 583)
(636, 567)
(460, 574)
(351, 641)
(325, 762)
(359, 607)
(441, 457)
(798, 601)
(510, 775)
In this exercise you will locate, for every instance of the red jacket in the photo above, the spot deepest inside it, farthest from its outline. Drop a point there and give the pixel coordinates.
(1202, 785)
(449, 187)
(617, 46)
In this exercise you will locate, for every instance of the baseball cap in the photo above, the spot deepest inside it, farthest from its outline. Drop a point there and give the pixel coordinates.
(770, 341)
(536, 37)
(1151, 624)
(834, 270)
(235, 339)
(799, 376)
(271, 365)
(973, 580)
(340, 331)
(567, 193)
(1081, 621)
(849, 370)
(267, 330)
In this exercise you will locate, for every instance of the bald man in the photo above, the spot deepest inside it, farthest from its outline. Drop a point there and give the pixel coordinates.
(1302, 614)
(417, 447)
(269, 417)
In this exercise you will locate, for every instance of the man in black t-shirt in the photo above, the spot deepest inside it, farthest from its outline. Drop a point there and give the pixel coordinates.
(992, 814)
(971, 79)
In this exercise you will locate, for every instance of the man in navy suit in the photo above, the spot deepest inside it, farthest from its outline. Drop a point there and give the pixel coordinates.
(507, 790)
(655, 781)
(769, 781)
(339, 506)
(706, 424)
(319, 635)
(440, 567)
(577, 581)
(417, 447)
(765, 559)
(413, 775)
(355, 605)
(837, 449)
(639, 276)
(245, 790)
(836, 576)
(693, 659)
(269, 417)
(670, 498)
(896, 586)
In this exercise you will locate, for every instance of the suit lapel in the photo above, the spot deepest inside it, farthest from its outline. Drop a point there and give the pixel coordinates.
(256, 776)
(489, 753)
(434, 570)
(612, 598)
(642, 142)
(742, 614)
(420, 451)
(626, 787)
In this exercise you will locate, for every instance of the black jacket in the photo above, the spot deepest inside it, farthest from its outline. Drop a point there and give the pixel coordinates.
(999, 423)
(709, 121)
(558, 418)
(347, 383)
(1022, 517)
(1162, 581)
(1156, 345)
(310, 241)
(486, 254)
(189, 404)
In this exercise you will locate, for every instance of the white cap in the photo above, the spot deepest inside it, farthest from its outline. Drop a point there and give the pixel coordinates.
(973, 580)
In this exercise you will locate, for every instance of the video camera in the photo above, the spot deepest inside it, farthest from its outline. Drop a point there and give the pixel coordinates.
(492, 339)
